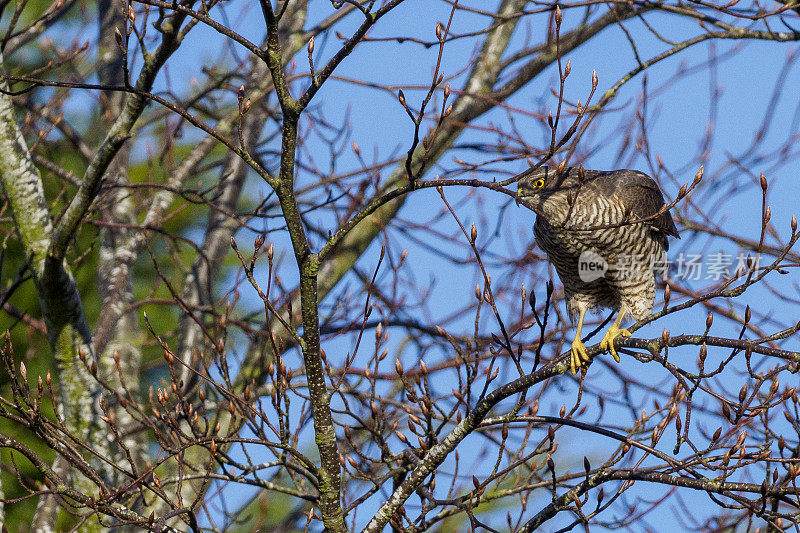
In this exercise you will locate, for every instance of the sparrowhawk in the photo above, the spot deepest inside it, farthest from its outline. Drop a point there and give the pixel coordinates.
(606, 234)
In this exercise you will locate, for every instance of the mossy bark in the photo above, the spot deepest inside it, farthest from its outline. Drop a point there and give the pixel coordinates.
(58, 294)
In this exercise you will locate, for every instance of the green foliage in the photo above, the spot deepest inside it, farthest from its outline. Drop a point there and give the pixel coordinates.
(31, 345)
(271, 511)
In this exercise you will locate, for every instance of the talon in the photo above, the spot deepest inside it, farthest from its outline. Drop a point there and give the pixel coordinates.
(607, 343)
(578, 355)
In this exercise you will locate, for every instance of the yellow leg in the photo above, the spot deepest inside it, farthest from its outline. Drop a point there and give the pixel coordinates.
(613, 332)
(578, 355)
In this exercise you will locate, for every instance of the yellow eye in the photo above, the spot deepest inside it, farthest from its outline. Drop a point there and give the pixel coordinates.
(538, 184)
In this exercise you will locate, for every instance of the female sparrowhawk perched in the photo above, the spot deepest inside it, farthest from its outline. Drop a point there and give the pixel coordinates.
(600, 231)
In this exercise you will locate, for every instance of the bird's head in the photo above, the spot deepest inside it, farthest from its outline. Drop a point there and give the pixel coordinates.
(548, 189)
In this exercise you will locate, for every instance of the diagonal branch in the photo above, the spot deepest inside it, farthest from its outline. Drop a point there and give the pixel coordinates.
(117, 135)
